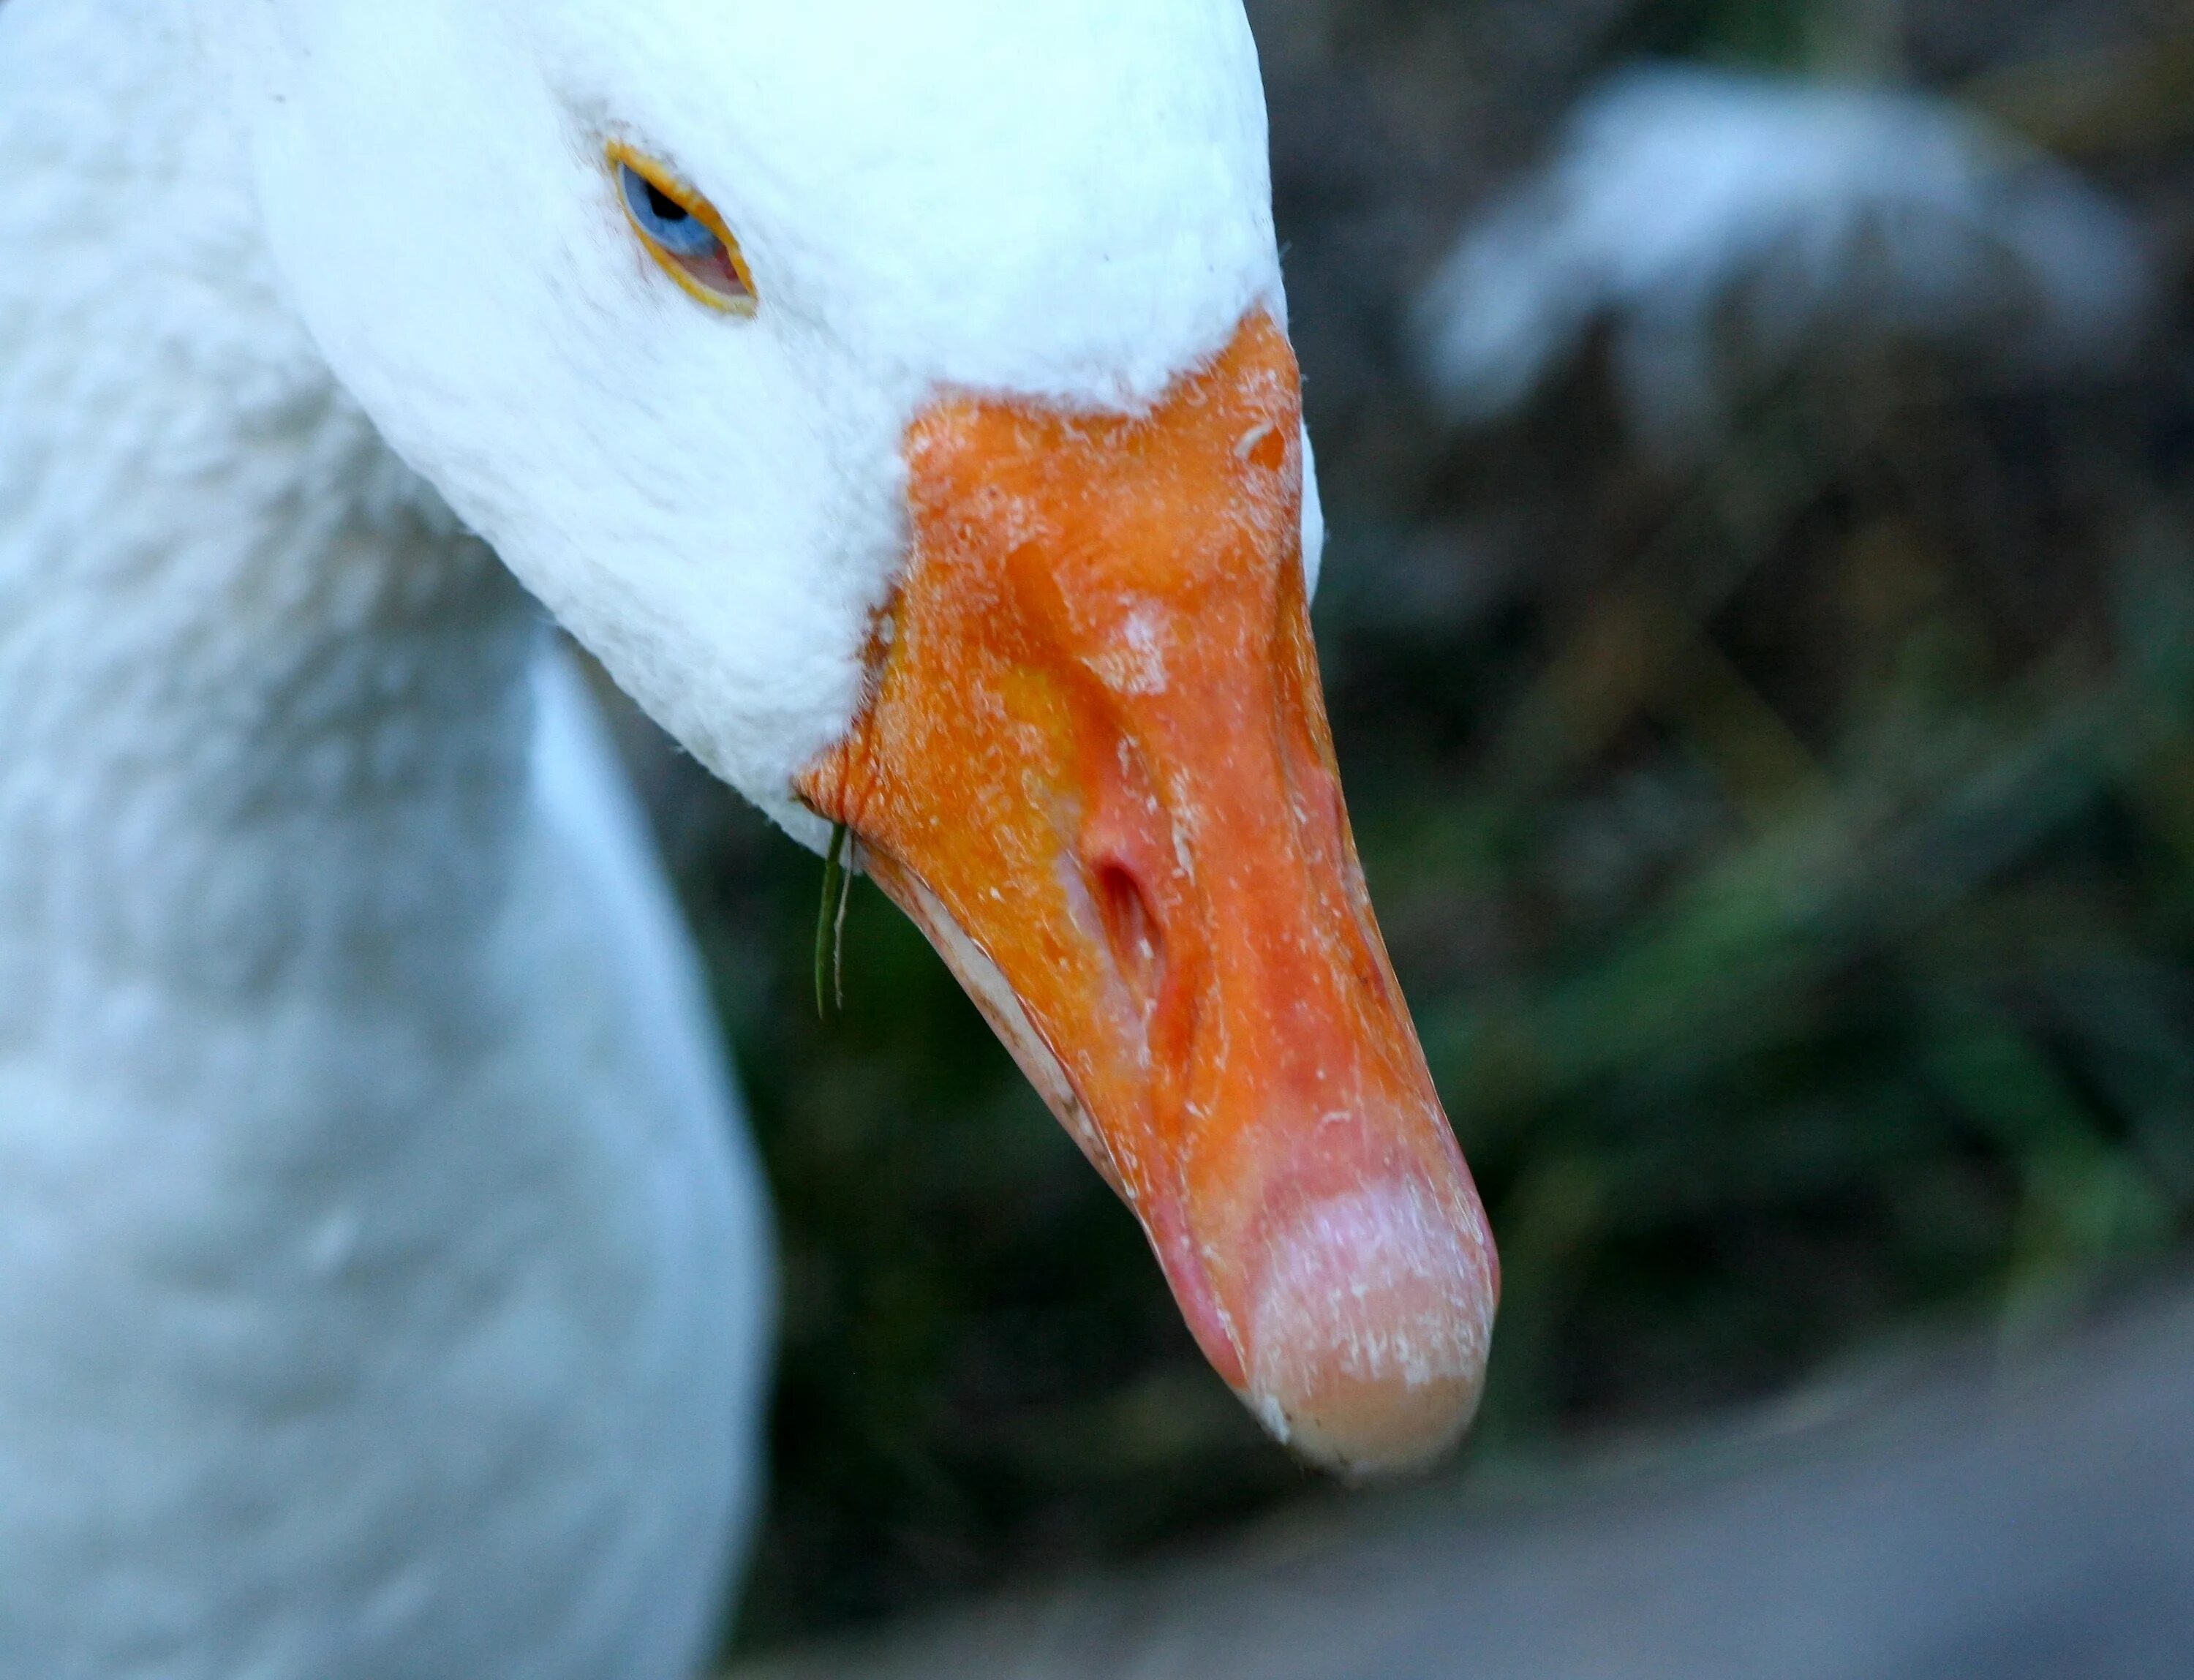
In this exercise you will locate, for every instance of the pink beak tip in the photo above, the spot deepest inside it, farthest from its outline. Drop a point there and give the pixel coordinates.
(1368, 1342)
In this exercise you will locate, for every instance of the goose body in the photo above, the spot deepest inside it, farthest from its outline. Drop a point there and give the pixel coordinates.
(384, 1279)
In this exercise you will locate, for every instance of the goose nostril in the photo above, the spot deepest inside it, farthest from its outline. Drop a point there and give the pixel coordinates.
(1132, 927)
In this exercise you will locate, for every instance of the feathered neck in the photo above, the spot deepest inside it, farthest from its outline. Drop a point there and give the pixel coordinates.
(265, 715)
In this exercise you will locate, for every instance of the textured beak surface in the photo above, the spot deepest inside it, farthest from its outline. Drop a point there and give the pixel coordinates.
(1096, 770)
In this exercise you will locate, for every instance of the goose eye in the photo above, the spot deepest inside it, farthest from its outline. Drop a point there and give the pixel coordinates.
(683, 234)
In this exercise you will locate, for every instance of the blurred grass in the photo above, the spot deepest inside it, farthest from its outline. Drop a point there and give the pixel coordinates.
(1844, 907)
(1790, 862)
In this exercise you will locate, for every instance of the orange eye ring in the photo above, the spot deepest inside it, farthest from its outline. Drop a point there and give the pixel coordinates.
(684, 232)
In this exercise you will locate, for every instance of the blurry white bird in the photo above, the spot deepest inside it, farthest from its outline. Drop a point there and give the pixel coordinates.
(896, 400)
(1718, 223)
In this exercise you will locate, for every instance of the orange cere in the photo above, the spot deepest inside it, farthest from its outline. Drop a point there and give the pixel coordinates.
(1096, 770)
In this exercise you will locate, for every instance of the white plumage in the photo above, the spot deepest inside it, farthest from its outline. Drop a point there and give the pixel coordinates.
(383, 1277)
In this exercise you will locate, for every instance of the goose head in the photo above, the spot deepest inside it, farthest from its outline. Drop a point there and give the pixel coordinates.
(897, 401)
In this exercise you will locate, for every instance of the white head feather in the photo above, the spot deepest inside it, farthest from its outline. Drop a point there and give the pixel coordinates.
(713, 504)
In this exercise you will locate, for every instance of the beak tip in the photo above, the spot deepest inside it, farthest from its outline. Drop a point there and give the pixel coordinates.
(1368, 1342)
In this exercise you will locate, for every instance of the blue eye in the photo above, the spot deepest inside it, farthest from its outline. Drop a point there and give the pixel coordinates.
(663, 219)
(684, 233)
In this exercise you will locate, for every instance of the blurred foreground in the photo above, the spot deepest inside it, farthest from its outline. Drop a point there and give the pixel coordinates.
(1763, 665)
(2037, 1528)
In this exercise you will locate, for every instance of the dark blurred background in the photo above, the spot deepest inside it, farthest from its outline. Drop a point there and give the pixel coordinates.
(1759, 624)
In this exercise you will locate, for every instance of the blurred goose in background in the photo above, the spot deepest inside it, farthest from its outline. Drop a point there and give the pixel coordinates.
(1718, 224)
(913, 431)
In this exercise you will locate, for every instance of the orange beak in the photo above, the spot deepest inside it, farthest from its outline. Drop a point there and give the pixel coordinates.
(1096, 770)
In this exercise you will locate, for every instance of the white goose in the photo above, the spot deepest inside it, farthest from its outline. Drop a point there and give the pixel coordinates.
(895, 399)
